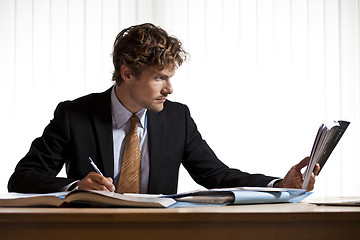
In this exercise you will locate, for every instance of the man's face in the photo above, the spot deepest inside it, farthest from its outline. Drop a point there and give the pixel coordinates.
(150, 89)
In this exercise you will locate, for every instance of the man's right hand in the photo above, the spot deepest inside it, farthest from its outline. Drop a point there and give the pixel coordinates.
(94, 181)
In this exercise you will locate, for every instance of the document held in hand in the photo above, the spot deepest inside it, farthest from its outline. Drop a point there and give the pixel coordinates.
(326, 139)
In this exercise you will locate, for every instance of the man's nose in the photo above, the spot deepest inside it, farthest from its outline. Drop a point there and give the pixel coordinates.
(167, 89)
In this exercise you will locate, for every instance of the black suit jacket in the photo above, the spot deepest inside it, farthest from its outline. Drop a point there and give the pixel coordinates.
(83, 128)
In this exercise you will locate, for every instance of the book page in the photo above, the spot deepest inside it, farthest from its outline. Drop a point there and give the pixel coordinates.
(26, 199)
(106, 198)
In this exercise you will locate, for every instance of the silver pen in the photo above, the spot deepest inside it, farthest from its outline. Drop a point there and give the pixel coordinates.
(95, 167)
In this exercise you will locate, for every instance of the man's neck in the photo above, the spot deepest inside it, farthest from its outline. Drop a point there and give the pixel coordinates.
(122, 94)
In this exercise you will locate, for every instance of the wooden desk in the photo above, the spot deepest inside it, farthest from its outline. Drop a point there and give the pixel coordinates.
(276, 221)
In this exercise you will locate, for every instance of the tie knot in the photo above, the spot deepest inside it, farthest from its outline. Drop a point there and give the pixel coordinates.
(134, 120)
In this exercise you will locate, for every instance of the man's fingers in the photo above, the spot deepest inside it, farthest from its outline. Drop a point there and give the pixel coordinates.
(105, 182)
(302, 164)
(110, 180)
(316, 169)
(98, 186)
(95, 181)
(311, 183)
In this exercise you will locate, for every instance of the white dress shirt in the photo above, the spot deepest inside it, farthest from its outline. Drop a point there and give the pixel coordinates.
(121, 126)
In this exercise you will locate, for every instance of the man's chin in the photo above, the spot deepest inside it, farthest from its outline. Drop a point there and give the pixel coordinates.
(156, 108)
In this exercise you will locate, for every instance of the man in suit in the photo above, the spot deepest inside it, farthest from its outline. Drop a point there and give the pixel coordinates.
(145, 58)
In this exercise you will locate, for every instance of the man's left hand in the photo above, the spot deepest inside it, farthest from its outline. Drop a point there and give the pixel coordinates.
(294, 178)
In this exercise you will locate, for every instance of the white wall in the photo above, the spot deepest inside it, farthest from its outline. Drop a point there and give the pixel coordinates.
(275, 69)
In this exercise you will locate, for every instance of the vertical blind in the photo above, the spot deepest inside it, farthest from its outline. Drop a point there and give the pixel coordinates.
(262, 77)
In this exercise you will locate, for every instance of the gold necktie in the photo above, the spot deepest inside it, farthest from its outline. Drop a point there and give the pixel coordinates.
(129, 181)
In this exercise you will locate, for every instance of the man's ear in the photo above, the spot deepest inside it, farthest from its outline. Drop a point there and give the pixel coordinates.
(126, 73)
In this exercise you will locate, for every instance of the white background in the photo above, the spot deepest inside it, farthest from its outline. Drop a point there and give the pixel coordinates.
(267, 71)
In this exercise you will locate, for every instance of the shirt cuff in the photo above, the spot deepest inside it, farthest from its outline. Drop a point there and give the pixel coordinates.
(272, 183)
(66, 188)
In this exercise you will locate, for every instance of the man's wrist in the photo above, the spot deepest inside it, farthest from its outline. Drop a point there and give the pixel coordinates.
(279, 183)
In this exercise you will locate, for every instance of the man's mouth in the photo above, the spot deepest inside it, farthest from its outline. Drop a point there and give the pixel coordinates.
(162, 99)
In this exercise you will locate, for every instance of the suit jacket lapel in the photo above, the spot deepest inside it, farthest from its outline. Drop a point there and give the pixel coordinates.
(156, 145)
(103, 129)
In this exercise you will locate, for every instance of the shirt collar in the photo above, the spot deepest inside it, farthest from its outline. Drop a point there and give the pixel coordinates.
(121, 115)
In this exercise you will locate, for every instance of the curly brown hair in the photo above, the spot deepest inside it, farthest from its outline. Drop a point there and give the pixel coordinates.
(142, 46)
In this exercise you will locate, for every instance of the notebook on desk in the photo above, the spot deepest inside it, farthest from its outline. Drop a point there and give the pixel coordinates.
(340, 201)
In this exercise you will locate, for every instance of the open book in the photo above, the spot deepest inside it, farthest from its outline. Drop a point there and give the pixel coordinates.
(90, 198)
(326, 139)
(242, 195)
